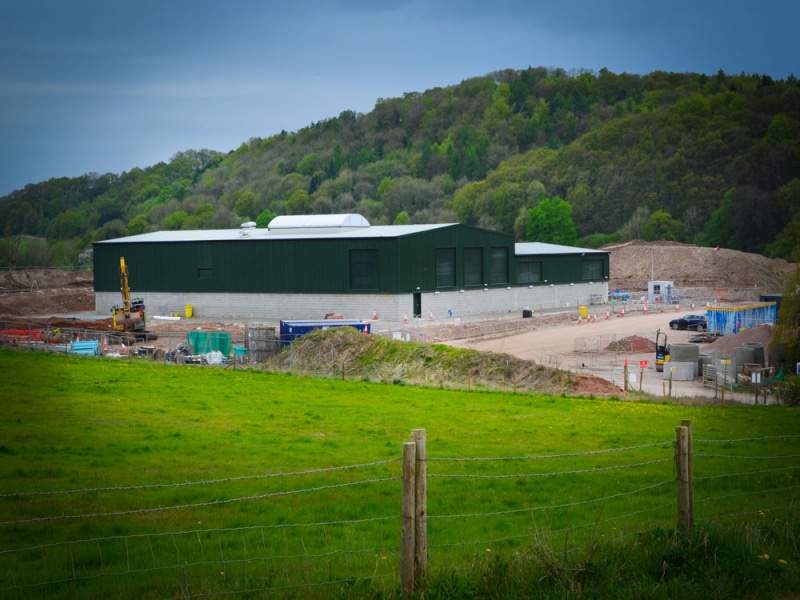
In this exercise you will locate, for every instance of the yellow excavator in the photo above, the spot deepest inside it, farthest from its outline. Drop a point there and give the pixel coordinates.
(130, 315)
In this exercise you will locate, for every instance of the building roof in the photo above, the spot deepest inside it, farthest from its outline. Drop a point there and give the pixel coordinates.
(539, 248)
(251, 233)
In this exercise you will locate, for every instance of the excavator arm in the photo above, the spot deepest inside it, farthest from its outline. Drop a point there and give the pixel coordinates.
(124, 288)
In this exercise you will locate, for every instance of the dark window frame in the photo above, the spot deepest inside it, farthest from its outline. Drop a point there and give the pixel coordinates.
(473, 275)
(592, 269)
(529, 271)
(364, 269)
(445, 268)
(498, 255)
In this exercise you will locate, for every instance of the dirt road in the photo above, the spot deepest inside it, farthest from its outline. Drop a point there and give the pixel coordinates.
(570, 347)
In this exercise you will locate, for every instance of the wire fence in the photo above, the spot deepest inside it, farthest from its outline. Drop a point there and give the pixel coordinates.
(337, 529)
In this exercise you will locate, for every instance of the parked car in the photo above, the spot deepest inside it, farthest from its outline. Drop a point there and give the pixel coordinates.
(697, 322)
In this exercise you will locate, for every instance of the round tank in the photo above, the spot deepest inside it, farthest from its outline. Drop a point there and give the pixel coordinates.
(742, 355)
(758, 351)
(685, 353)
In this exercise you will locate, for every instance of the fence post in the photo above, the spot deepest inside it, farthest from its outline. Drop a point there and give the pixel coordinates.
(683, 460)
(688, 424)
(420, 507)
(407, 521)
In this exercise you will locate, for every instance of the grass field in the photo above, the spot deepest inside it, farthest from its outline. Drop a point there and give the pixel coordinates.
(131, 479)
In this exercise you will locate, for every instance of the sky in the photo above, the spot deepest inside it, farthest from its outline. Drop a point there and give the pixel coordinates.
(106, 86)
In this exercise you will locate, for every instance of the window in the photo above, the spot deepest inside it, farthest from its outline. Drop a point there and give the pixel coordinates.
(364, 270)
(204, 273)
(529, 271)
(445, 267)
(473, 266)
(592, 270)
(499, 266)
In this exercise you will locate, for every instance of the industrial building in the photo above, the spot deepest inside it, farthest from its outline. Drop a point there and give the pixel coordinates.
(307, 267)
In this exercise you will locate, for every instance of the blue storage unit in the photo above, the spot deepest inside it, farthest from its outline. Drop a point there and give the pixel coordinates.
(731, 320)
(291, 330)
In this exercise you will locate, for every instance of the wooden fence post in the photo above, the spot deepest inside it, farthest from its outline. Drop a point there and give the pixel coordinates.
(407, 526)
(421, 507)
(685, 509)
(688, 424)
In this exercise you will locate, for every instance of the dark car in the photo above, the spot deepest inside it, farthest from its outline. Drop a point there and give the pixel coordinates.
(697, 322)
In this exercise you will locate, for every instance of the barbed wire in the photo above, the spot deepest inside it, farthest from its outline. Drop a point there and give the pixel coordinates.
(546, 456)
(523, 475)
(753, 439)
(743, 473)
(197, 532)
(743, 494)
(746, 457)
(549, 532)
(552, 506)
(197, 504)
(204, 482)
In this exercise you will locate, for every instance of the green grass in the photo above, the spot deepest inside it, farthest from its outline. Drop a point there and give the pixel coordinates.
(72, 423)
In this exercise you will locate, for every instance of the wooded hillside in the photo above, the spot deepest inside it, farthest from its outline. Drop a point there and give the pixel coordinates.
(711, 160)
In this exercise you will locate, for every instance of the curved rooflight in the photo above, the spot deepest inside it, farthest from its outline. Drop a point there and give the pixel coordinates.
(317, 221)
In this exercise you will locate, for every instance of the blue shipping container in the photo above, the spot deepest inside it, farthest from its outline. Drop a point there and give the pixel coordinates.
(730, 320)
(291, 330)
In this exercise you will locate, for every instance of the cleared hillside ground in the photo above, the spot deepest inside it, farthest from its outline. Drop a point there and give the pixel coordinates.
(132, 479)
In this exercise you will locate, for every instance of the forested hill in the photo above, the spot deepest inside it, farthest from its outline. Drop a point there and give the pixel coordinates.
(708, 159)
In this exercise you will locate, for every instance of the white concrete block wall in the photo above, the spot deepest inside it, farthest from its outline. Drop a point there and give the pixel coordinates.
(274, 307)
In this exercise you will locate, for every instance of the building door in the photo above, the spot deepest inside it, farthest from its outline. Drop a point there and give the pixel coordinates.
(417, 305)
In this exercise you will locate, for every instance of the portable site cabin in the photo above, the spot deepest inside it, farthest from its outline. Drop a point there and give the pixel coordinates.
(308, 266)
(731, 320)
(661, 291)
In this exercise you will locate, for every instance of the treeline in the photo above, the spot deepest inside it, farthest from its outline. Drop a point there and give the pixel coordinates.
(712, 160)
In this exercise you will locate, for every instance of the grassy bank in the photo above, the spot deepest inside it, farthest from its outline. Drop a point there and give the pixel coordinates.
(126, 479)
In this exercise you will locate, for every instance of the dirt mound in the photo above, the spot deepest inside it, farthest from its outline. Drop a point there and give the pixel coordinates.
(632, 344)
(422, 363)
(45, 292)
(42, 279)
(727, 344)
(635, 263)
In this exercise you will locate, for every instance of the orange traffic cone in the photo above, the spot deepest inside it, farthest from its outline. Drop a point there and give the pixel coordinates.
(374, 315)
(608, 315)
(623, 312)
(645, 309)
(676, 307)
(405, 318)
(431, 317)
(595, 317)
(580, 319)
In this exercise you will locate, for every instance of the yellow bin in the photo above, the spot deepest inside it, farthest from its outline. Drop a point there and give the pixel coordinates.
(584, 311)
(188, 308)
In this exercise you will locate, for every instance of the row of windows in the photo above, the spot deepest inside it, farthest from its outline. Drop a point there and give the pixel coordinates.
(364, 271)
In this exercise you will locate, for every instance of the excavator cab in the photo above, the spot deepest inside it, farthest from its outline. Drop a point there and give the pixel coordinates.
(662, 350)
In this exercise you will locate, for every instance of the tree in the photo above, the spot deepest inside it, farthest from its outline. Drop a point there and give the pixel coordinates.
(551, 221)
(786, 337)
(263, 220)
(138, 225)
(661, 226)
(402, 218)
(245, 206)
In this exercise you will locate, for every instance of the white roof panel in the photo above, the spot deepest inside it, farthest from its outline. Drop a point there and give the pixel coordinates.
(529, 248)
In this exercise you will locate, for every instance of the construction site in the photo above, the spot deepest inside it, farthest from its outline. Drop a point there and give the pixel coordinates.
(611, 346)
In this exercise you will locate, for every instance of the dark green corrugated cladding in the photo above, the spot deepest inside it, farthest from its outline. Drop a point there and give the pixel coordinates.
(384, 260)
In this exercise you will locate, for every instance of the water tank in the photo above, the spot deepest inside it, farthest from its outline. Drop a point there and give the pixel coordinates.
(685, 353)
(743, 355)
(758, 352)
